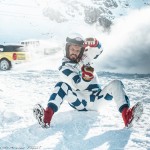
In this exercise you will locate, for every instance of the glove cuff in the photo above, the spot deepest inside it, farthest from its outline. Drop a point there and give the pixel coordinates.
(91, 42)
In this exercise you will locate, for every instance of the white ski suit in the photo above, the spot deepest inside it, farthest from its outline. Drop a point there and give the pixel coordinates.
(83, 95)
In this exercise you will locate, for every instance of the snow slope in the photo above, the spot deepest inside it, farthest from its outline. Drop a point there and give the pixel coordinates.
(20, 90)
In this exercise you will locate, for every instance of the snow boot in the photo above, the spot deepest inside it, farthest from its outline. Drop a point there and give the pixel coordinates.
(38, 112)
(132, 115)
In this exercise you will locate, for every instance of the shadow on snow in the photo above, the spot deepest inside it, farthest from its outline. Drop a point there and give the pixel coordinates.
(74, 127)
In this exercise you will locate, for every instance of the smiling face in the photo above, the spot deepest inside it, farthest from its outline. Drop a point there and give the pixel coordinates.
(74, 52)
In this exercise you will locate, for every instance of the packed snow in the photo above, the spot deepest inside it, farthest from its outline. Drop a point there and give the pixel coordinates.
(26, 85)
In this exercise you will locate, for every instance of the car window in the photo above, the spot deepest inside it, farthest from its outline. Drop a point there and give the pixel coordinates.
(19, 49)
(14, 49)
(8, 49)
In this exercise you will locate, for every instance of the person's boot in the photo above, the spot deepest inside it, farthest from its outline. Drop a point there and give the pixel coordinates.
(127, 115)
(132, 115)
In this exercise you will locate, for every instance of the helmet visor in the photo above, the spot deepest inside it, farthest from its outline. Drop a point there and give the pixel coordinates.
(75, 41)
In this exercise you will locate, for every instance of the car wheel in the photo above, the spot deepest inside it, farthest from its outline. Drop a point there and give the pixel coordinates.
(5, 64)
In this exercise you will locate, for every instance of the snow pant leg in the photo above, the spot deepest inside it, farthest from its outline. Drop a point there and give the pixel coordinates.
(59, 92)
(114, 90)
(62, 91)
(77, 100)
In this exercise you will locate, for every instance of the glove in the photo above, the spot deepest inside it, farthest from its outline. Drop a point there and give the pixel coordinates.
(87, 73)
(91, 42)
(48, 113)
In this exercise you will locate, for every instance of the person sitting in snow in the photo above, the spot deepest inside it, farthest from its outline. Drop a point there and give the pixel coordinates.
(80, 85)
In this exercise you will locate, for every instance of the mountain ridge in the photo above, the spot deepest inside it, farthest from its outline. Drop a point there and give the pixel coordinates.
(101, 12)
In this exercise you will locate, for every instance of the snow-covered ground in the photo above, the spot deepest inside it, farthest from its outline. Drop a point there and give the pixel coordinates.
(21, 89)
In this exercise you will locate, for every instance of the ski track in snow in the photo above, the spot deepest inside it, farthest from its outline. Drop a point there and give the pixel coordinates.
(70, 129)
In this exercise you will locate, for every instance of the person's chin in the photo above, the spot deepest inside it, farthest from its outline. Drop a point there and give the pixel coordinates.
(73, 58)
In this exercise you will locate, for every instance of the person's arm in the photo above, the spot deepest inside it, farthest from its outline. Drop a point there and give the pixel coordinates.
(93, 49)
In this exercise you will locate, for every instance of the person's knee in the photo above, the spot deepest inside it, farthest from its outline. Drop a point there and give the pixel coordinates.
(117, 83)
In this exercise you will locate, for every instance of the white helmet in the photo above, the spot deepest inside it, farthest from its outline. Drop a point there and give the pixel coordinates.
(76, 39)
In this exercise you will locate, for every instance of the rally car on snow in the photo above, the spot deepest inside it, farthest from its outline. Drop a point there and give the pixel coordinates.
(12, 54)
